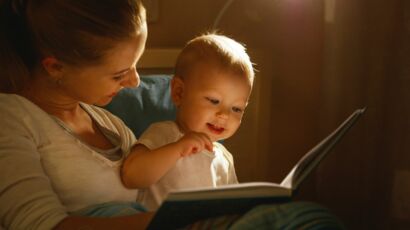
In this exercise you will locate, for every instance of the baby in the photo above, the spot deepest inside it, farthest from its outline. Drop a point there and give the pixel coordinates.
(210, 89)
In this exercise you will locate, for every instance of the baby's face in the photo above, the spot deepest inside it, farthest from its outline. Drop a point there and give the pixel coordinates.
(213, 102)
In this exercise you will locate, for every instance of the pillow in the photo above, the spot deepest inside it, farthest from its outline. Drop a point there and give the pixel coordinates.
(148, 103)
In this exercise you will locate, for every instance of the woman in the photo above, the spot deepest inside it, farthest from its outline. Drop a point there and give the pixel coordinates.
(59, 154)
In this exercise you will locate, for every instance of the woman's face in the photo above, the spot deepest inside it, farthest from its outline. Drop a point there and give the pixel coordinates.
(100, 83)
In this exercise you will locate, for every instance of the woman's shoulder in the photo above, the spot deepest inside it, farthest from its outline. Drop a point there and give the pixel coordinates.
(6, 100)
(17, 106)
(19, 116)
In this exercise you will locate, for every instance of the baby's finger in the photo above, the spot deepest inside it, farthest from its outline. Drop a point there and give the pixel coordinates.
(194, 150)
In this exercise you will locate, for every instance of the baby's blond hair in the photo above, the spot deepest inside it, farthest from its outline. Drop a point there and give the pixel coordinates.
(212, 48)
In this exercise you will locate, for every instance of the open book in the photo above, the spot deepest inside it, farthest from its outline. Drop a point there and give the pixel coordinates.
(187, 206)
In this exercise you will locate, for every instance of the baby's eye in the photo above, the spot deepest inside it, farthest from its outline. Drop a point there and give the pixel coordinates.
(237, 109)
(212, 100)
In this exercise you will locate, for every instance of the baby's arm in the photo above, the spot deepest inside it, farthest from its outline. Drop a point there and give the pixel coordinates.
(144, 167)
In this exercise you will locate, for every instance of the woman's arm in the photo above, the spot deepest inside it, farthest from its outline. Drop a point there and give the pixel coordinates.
(27, 197)
(138, 221)
(144, 167)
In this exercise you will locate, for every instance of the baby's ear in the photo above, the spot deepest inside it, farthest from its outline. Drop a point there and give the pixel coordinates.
(177, 90)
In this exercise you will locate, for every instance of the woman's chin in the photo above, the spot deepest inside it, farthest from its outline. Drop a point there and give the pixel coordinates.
(103, 102)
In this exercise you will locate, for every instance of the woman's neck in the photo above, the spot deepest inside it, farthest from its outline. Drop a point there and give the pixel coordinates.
(49, 97)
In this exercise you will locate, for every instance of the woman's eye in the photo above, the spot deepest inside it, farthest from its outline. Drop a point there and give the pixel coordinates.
(213, 101)
(118, 77)
(237, 110)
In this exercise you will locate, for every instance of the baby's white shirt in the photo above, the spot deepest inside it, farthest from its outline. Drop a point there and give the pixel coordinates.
(204, 169)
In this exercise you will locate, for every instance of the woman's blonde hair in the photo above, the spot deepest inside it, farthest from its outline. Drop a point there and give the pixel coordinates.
(74, 32)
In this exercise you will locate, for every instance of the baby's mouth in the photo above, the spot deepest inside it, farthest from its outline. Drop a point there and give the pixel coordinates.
(215, 129)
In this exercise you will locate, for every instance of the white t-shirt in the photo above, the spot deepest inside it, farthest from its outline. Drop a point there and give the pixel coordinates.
(204, 169)
(46, 172)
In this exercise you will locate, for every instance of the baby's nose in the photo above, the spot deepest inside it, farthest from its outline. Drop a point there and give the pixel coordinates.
(223, 113)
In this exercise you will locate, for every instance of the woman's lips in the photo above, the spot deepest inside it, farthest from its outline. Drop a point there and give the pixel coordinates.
(113, 94)
(215, 129)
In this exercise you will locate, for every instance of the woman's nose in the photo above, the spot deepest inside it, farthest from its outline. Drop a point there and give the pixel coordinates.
(133, 79)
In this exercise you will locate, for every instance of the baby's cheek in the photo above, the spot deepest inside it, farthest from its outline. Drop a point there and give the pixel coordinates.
(238, 118)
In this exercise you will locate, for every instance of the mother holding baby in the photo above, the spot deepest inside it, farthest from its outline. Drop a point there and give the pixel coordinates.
(59, 153)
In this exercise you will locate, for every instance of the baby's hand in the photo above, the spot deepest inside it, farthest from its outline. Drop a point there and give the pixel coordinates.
(193, 142)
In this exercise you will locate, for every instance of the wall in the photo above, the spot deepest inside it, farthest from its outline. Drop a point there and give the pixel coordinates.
(364, 67)
(318, 60)
(397, 136)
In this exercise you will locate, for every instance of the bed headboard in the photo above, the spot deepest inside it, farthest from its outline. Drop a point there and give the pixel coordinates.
(158, 61)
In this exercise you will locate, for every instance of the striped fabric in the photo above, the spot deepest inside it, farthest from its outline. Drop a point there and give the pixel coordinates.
(111, 209)
(289, 216)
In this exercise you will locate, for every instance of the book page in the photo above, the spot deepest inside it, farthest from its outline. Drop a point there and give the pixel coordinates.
(311, 159)
(242, 190)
